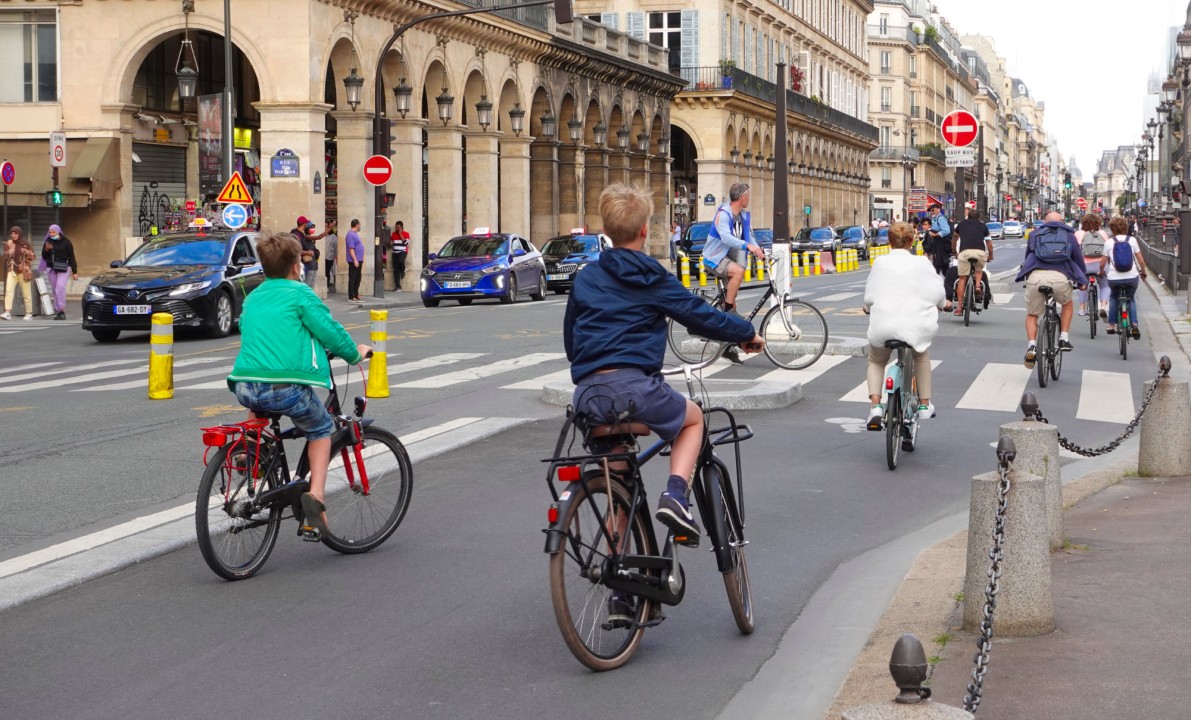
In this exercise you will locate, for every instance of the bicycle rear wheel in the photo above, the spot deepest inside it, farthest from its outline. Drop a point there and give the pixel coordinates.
(1042, 351)
(1056, 361)
(893, 429)
(688, 347)
(358, 522)
(234, 539)
(969, 298)
(581, 602)
(1123, 332)
(795, 334)
(1093, 309)
(728, 542)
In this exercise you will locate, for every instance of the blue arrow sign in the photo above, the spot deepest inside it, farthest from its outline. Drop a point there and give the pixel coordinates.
(235, 216)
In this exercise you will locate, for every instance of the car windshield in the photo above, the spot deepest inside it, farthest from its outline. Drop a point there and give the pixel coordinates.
(699, 231)
(1012, 224)
(883, 233)
(821, 234)
(994, 226)
(763, 234)
(178, 251)
(472, 246)
(853, 232)
(568, 245)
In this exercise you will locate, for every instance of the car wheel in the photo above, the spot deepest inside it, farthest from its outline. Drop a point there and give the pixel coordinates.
(510, 296)
(465, 301)
(222, 326)
(430, 302)
(541, 293)
(105, 336)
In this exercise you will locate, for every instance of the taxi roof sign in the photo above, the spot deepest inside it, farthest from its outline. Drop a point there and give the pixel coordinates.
(199, 223)
(578, 231)
(235, 191)
(482, 231)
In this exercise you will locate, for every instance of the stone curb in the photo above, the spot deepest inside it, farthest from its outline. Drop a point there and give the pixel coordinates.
(729, 394)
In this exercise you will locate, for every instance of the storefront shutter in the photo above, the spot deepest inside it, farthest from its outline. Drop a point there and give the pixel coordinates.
(159, 186)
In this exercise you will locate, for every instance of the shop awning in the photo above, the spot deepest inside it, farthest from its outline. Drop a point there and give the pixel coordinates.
(92, 171)
(86, 164)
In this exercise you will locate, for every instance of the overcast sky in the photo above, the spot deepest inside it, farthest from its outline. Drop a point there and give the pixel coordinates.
(1130, 37)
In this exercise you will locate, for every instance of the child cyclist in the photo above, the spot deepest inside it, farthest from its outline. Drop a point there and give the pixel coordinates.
(284, 328)
(614, 331)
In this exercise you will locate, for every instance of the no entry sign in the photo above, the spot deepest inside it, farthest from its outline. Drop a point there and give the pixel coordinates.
(959, 128)
(377, 170)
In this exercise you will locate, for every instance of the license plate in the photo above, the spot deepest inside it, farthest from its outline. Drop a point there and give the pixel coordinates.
(560, 276)
(456, 284)
(134, 309)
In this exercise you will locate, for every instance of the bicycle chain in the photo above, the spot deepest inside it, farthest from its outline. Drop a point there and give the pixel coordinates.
(1067, 444)
(996, 554)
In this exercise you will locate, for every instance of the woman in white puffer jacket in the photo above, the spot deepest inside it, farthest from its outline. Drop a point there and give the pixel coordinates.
(903, 297)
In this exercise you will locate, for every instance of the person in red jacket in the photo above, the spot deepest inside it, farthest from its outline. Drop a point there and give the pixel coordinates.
(400, 248)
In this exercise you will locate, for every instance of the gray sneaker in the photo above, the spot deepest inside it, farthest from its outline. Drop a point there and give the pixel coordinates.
(675, 513)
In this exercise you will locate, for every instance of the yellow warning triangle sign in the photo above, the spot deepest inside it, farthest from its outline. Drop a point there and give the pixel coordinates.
(235, 191)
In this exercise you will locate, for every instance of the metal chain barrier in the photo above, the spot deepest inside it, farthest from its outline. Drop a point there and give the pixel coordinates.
(1006, 452)
(1163, 370)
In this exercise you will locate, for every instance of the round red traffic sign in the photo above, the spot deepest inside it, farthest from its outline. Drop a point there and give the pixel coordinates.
(959, 128)
(1083, 204)
(8, 173)
(377, 170)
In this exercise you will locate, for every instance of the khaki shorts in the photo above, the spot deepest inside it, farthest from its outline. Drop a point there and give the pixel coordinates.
(1036, 301)
(721, 270)
(981, 259)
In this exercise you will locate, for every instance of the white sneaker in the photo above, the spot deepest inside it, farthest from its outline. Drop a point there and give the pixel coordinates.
(876, 417)
(927, 411)
(6, 316)
(28, 317)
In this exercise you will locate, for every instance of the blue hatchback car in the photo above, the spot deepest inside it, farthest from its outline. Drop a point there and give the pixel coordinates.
(484, 265)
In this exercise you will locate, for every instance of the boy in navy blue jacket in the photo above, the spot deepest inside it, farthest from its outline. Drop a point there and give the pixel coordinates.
(615, 337)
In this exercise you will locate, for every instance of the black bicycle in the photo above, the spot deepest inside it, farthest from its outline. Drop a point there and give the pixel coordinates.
(1126, 325)
(795, 332)
(246, 489)
(608, 579)
(1048, 356)
(1093, 304)
(971, 287)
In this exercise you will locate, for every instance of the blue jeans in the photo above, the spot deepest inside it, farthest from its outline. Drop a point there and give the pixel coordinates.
(1115, 288)
(297, 402)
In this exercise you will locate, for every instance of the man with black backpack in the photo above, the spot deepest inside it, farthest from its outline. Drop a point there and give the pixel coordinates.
(1053, 258)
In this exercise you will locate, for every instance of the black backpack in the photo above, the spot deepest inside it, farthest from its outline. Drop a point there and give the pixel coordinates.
(1052, 245)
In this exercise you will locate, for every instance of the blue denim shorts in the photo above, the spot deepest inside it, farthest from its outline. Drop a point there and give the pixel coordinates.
(297, 402)
(646, 398)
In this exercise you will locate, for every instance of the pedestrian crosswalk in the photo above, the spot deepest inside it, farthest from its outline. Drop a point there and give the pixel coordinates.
(993, 387)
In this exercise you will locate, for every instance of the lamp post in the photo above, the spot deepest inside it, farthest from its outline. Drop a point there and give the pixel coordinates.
(1000, 178)
(563, 14)
(907, 164)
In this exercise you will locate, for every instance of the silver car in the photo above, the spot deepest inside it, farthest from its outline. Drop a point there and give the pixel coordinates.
(994, 230)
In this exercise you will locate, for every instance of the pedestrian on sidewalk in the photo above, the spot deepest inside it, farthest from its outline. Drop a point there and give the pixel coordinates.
(304, 234)
(17, 270)
(57, 253)
(400, 247)
(354, 248)
(332, 254)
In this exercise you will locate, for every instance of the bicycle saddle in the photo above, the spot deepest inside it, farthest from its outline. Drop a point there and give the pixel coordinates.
(896, 344)
(620, 428)
(1046, 289)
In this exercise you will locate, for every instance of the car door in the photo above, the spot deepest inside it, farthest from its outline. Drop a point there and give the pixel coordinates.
(250, 276)
(522, 262)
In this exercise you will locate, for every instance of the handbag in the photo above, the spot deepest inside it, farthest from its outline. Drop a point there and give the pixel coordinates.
(60, 265)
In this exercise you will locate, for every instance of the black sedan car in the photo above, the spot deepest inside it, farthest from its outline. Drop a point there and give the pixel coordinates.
(822, 239)
(694, 239)
(199, 278)
(565, 255)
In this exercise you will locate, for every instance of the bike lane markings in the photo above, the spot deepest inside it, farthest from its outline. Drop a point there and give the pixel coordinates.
(496, 368)
(1106, 396)
(75, 368)
(999, 387)
(101, 375)
(806, 375)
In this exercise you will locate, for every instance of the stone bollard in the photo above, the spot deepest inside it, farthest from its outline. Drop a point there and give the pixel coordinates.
(908, 667)
(1164, 446)
(1025, 606)
(1038, 453)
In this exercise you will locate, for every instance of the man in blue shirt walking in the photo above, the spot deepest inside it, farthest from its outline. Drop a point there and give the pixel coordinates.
(940, 238)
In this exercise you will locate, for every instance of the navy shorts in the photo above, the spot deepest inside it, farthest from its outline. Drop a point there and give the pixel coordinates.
(297, 402)
(646, 398)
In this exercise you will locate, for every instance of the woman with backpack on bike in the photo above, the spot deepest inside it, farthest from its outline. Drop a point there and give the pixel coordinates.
(1125, 268)
(1092, 240)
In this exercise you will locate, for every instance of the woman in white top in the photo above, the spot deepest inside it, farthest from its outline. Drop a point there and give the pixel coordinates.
(903, 297)
(1093, 264)
(1127, 278)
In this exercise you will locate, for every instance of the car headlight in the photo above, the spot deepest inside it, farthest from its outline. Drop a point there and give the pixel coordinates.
(492, 269)
(189, 288)
(427, 272)
(94, 291)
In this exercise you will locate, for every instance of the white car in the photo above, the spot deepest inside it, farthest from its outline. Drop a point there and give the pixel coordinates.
(1013, 228)
(994, 230)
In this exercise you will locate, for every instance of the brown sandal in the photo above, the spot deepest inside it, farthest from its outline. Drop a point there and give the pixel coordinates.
(313, 511)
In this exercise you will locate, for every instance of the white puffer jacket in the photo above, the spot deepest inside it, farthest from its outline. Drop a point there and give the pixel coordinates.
(903, 295)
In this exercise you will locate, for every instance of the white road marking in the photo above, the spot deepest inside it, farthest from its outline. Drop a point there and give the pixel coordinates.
(806, 375)
(860, 392)
(1105, 396)
(75, 380)
(998, 387)
(1002, 298)
(838, 297)
(538, 382)
(394, 369)
(483, 371)
(76, 368)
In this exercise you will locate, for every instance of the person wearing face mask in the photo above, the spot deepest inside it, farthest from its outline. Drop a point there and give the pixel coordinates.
(58, 255)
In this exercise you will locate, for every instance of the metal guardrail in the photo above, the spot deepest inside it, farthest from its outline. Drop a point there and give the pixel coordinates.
(895, 152)
(1161, 257)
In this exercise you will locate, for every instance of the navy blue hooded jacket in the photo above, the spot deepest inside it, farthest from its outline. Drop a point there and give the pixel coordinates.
(617, 310)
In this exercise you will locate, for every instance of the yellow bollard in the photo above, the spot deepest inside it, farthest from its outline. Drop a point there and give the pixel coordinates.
(161, 357)
(378, 367)
(748, 267)
(702, 273)
(794, 264)
(818, 269)
(686, 272)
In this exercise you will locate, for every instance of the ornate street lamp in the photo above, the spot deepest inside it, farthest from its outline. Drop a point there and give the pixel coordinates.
(401, 95)
(664, 145)
(575, 127)
(549, 124)
(186, 68)
(735, 153)
(748, 158)
(353, 84)
(642, 141)
(516, 119)
(770, 163)
(446, 106)
(600, 133)
(622, 139)
(484, 111)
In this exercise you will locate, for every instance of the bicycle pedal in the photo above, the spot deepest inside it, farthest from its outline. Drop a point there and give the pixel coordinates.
(309, 533)
(691, 541)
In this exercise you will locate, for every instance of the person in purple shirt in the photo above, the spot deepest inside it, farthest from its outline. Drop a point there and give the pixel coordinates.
(355, 261)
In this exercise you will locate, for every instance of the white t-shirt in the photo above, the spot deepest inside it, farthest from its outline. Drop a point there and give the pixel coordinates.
(1113, 273)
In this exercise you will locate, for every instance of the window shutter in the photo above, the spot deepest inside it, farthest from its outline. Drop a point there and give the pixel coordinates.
(735, 41)
(609, 20)
(636, 22)
(690, 39)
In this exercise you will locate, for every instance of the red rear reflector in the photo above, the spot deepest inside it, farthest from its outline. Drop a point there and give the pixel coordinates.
(214, 438)
(888, 383)
(552, 514)
(568, 473)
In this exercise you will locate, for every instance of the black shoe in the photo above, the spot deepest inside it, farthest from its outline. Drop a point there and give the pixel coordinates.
(733, 354)
(1135, 332)
(1031, 354)
(61, 315)
(1112, 330)
(675, 514)
(621, 613)
(1065, 346)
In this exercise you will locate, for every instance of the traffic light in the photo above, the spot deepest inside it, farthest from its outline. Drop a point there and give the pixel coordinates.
(1067, 181)
(53, 198)
(388, 148)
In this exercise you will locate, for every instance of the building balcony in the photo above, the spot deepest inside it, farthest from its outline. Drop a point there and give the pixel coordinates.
(715, 80)
(900, 33)
(886, 107)
(894, 153)
(915, 111)
(934, 152)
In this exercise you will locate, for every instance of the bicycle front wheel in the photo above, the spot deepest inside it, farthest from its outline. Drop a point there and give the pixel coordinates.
(593, 622)
(795, 334)
(1093, 309)
(234, 538)
(894, 417)
(728, 541)
(688, 347)
(1123, 332)
(358, 521)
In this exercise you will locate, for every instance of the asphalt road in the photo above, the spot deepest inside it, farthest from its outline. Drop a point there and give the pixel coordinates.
(451, 618)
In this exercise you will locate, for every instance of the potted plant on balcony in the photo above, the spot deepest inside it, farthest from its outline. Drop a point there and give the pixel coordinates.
(727, 67)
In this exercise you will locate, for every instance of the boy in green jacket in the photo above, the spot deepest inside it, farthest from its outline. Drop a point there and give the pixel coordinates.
(284, 328)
